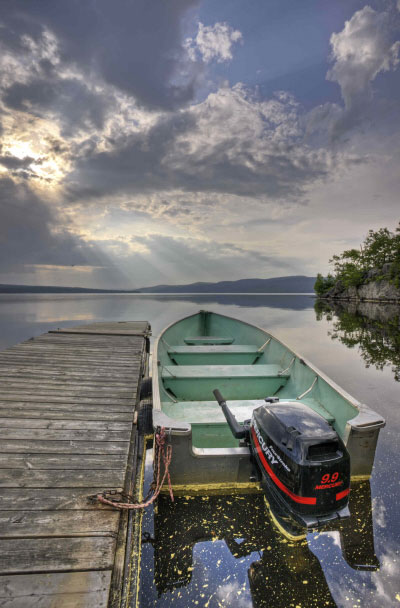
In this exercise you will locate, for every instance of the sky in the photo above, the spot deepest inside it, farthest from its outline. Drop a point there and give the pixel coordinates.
(174, 141)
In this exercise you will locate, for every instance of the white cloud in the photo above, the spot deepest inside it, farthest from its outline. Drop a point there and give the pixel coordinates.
(361, 50)
(379, 510)
(380, 591)
(213, 42)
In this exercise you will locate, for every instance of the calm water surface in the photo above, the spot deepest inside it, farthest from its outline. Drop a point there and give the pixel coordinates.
(225, 551)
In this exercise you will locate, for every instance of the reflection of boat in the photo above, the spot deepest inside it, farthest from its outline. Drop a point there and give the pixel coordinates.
(242, 522)
(205, 351)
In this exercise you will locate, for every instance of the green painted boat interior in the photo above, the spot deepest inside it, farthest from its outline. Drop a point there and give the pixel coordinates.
(207, 351)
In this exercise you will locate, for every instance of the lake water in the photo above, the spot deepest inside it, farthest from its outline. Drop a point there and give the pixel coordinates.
(225, 551)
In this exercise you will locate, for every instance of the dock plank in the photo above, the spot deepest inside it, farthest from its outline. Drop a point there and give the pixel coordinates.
(46, 423)
(58, 523)
(51, 499)
(70, 478)
(62, 461)
(19, 446)
(64, 413)
(55, 554)
(61, 590)
(65, 435)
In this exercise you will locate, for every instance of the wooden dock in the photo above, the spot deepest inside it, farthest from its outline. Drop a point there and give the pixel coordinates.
(67, 403)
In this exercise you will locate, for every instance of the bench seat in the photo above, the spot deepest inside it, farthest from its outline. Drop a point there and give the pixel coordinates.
(215, 354)
(214, 348)
(209, 340)
(220, 371)
(192, 382)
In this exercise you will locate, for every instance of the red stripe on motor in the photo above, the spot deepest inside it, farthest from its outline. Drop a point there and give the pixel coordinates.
(342, 494)
(304, 500)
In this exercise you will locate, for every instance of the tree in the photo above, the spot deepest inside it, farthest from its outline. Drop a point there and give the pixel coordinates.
(380, 252)
(322, 285)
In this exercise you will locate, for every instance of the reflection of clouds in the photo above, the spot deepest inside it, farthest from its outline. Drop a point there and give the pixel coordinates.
(379, 511)
(334, 535)
(232, 594)
(381, 590)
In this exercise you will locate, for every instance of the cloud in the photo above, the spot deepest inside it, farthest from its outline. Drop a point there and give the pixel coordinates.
(13, 162)
(362, 50)
(213, 42)
(232, 143)
(379, 590)
(68, 100)
(133, 46)
(32, 233)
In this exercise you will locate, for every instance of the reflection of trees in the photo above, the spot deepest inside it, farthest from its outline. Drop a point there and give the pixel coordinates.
(374, 328)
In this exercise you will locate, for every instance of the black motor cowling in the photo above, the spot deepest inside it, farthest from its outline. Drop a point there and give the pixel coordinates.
(303, 461)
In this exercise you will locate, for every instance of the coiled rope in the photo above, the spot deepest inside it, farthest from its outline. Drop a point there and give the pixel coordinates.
(163, 451)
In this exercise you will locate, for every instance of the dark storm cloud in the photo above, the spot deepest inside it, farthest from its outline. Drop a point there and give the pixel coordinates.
(133, 45)
(30, 232)
(13, 162)
(176, 154)
(70, 99)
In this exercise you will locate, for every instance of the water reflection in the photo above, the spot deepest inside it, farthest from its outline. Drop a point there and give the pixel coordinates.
(374, 328)
(227, 551)
(244, 300)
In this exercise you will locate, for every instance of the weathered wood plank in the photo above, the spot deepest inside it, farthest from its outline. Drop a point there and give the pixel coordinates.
(44, 347)
(64, 399)
(65, 435)
(97, 347)
(21, 446)
(44, 423)
(104, 332)
(43, 554)
(63, 354)
(33, 478)
(66, 371)
(62, 461)
(58, 386)
(65, 413)
(58, 523)
(87, 339)
(78, 369)
(44, 389)
(64, 361)
(67, 406)
(61, 590)
(72, 381)
(51, 499)
(82, 352)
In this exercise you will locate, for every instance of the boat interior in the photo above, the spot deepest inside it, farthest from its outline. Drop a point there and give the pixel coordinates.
(207, 351)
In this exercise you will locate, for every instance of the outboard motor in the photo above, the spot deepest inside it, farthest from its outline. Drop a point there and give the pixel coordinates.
(301, 459)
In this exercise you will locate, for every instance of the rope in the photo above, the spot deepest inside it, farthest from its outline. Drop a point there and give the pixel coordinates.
(162, 451)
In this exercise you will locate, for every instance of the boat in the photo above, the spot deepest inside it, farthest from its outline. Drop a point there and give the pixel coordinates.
(215, 377)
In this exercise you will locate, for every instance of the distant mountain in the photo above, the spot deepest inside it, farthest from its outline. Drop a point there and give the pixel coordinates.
(55, 289)
(292, 284)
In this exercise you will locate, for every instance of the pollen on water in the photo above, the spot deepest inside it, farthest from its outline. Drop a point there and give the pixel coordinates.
(231, 550)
